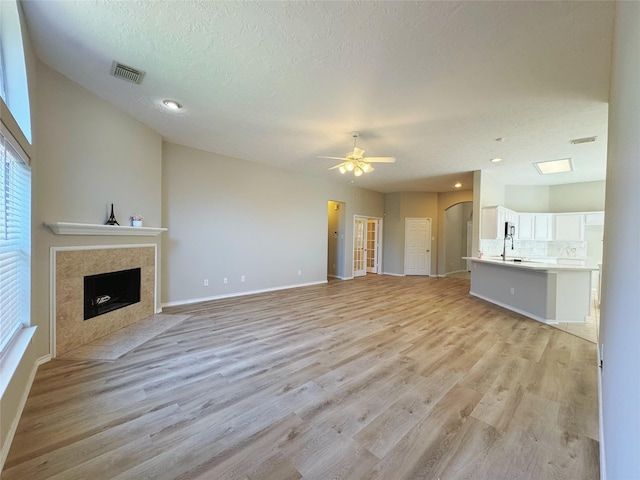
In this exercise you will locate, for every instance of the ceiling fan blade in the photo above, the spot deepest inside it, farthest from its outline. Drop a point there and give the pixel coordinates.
(335, 158)
(336, 166)
(380, 159)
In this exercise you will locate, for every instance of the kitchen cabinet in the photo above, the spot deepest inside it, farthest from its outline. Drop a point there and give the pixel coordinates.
(542, 227)
(493, 220)
(594, 218)
(534, 226)
(568, 226)
(526, 226)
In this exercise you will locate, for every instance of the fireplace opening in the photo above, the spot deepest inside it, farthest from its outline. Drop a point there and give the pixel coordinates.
(110, 291)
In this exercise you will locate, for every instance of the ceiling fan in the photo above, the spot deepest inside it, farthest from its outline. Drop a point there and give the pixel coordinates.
(356, 162)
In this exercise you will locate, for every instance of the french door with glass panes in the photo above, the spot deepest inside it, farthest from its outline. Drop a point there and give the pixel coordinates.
(359, 244)
(372, 245)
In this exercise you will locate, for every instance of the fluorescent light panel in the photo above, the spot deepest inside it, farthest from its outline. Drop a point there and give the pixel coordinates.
(554, 166)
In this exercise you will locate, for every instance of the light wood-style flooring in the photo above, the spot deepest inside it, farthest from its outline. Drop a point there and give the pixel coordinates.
(375, 378)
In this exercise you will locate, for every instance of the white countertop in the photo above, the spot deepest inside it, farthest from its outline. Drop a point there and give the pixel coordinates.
(528, 265)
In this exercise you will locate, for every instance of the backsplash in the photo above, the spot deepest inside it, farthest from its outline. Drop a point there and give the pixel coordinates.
(534, 248)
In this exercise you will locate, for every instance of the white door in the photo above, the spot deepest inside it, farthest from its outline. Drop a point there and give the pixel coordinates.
(359, 243)
(417, 246)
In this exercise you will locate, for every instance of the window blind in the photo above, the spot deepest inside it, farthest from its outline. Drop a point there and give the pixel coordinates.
(15, 243)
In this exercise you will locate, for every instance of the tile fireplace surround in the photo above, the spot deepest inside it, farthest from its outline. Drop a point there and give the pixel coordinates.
(71, 265)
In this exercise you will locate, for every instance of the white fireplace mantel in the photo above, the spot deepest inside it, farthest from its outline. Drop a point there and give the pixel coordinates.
(67, 228)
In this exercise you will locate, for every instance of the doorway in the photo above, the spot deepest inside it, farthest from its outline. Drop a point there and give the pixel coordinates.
(417, 246)
(367, 245)
(457, 237)
(336, 220)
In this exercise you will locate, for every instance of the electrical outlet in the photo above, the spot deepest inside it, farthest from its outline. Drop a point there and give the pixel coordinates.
(225, 280)
(299, 272)
(206, 282)
(242, 278)
(512, 291)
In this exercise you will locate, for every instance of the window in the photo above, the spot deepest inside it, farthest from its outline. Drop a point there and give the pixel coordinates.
(14, 88)
(15, 243)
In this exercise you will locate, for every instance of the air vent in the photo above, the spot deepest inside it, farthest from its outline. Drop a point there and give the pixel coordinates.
(576, 141)
(124, 72)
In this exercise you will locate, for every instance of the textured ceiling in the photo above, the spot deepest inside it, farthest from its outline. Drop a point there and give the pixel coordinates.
(280, 83)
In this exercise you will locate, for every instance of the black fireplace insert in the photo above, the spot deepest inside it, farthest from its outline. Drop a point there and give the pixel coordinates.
(110, 291)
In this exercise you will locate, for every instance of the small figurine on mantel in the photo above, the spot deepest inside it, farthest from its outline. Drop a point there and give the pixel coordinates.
(112, 218)
(136, 220)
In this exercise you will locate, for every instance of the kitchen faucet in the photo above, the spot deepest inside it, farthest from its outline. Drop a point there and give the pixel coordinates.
(509, 232)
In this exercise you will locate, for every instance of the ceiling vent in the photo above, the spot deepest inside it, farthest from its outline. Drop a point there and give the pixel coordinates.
(124, 72)
(576, 141)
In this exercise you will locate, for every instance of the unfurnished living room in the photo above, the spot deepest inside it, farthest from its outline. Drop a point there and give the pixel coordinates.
(319, 240)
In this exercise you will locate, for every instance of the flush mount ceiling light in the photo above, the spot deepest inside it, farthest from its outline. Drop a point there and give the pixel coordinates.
(458, 185)
(356, 162)
(554, 166)
(495, 160)
(172, 104)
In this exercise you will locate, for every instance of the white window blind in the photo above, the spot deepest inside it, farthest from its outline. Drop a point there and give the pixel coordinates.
(15, 243)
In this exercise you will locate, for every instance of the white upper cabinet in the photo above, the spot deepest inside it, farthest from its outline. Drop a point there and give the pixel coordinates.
(594, 218)
(534, 226)
(568, 226)
(493, 220)
(542, 226)
(526, 226)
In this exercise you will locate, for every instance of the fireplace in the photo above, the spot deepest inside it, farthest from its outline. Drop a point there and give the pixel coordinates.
(106, 292)
(73, 266)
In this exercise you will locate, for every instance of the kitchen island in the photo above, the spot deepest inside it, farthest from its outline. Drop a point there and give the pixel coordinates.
(548, 293)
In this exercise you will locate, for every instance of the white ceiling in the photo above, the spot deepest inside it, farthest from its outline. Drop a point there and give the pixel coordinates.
(280, 83)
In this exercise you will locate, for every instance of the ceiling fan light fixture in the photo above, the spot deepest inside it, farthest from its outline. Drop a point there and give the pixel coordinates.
(342, 169)
(349, 166)
(357, 171)
(366, 168)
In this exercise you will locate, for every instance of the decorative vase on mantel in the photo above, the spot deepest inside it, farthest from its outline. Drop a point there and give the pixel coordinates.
(112, 218)
(136, 223)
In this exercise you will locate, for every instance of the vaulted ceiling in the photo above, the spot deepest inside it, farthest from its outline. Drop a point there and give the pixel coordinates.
(280, 83)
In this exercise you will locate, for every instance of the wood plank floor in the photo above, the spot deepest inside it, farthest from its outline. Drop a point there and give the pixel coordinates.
(376, 378)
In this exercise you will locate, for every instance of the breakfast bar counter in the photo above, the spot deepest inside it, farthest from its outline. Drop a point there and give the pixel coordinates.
(549, 293)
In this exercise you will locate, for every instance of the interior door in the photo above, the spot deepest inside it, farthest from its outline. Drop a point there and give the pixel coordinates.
(359, 244)
(372, 245)
(417, 246)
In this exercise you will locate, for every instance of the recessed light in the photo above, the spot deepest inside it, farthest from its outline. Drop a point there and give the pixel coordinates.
(554, 166)
(172, 104)
(496, 160)
(458, 185)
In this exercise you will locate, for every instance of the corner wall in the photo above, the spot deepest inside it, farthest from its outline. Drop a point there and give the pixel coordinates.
(619, 325)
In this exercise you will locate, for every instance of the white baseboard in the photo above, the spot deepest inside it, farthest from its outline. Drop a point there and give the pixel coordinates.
(339, 277)
(23, 401)
(394, 274)
(238, 294)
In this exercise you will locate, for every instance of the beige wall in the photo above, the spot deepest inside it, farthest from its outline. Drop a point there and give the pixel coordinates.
(229, 217)
(577, 197)
(88, 154)
(399, 206)
(571, 197)
(527, 198)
